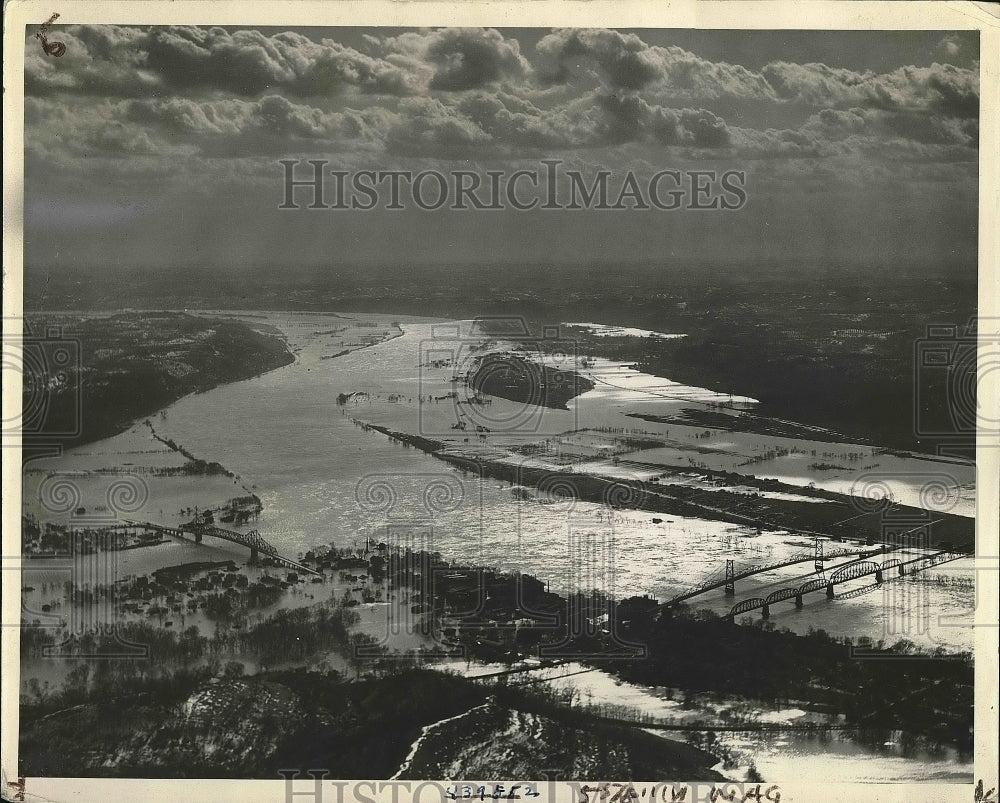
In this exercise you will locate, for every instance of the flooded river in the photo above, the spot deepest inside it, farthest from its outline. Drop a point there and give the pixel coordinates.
(324, 479)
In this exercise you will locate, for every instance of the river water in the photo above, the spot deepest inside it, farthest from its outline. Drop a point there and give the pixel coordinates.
(325, 479)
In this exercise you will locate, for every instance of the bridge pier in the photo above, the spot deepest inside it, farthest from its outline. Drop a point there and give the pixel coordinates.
(254, 557)
(829, 591)
(765, 612)
(902, 570)
(197, 536)
(798, 600)
(878, 577)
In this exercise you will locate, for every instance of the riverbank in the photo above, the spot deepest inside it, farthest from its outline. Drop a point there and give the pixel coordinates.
(128, 365)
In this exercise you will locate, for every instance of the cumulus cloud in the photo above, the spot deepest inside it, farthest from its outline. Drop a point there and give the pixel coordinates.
(271, 125)
(941, 88)
(248, 63)
(123, 61)
(628, 118)
(118, 138)
(860, 132)
(624, 61)
(68, 134)
(219, 95)
(516, 121)
(949, 46)
(472, 59)
(503, 125)
(430, 127)
(99, 60)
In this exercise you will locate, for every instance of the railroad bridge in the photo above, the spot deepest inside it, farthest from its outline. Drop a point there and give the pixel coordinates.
(849, 571)
(730, 576)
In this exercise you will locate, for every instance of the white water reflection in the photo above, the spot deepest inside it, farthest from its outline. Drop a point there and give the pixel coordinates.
(777, 755)
(286, 438)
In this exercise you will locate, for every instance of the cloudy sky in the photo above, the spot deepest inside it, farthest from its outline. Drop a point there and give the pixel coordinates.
(160, 146)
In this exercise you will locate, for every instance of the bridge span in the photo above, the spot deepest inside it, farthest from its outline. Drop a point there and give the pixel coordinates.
(728, 580)
(848, 571)
(252, 540)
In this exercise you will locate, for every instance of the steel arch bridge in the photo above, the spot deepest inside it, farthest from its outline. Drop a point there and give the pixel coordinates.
(855, 570)
(850, 571)
(813, 585)
(728, 578)
(782, 594)
(748, 605)
(252, 540)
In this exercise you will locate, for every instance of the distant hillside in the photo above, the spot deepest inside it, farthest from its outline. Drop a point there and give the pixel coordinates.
(87, 378)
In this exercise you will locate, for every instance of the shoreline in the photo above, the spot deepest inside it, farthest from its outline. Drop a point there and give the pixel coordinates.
(246, 318)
